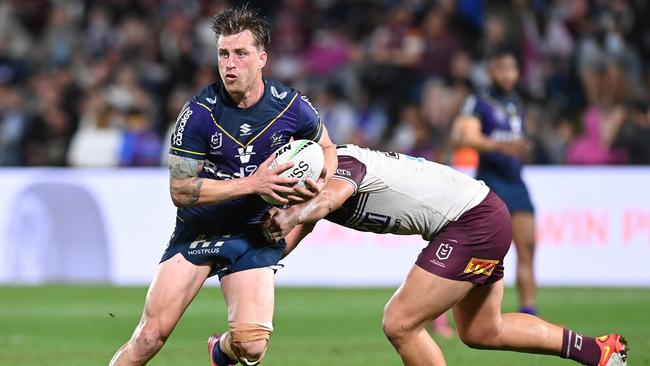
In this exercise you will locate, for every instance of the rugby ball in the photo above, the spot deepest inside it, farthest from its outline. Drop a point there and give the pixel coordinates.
(308, 160)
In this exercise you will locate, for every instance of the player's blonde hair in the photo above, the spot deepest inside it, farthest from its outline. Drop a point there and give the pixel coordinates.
(236, 20)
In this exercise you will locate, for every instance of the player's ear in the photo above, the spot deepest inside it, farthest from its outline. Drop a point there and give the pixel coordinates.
(262, 60)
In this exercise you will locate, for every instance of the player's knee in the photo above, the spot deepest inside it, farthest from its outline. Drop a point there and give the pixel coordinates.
(250, 353)
(249, 342)
(147, 340)
(394, 325)
(483, 336)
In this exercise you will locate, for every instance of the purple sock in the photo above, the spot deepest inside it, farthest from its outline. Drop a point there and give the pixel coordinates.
(528, 310)
(580, 348)
(220, 358)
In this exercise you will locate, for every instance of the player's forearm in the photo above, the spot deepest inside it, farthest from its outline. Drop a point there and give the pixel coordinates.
(481, 144)
(331, 161)
(467, 132)
(315, 209)
(196, 191)
(187, 189)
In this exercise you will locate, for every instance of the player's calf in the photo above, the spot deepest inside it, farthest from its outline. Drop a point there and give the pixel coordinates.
(481, 335)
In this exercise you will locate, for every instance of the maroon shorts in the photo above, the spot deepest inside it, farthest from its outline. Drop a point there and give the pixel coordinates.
(471, 248)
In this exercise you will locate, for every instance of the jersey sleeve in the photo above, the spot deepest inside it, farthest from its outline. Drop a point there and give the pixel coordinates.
(190, 136)
(350, 170)
(310, 126)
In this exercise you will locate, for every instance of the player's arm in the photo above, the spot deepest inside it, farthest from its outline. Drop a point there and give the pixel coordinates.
(280, 222)
(329, 150)
(188, 189)
(466, 131)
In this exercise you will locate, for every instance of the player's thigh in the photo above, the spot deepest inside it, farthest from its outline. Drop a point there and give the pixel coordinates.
(174, 286)
(422, 297)
(523, 230)
(249, 295)
(479, 313)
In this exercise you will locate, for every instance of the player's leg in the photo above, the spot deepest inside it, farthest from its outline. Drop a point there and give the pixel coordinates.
(174, 286)
(250, 300)
(480, 324)
(423, 297)
(523, 235)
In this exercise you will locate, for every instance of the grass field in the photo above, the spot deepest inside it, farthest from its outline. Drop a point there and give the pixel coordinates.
(70, 325)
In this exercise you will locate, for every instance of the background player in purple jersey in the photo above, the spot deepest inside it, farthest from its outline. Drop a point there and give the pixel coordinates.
(493, 123)
(461, 268)
(219, 161)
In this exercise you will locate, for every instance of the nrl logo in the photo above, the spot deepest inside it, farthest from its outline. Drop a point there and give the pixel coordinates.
(275, 93)
(216, 140)
(444, 251)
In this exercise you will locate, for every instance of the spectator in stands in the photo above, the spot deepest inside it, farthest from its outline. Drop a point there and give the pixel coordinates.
(98, 140)
(606, 90)
(438, 46)
(337, 113)
(633, 133)
(135, 53)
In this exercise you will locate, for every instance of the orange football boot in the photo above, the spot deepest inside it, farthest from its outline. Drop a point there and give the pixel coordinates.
(613, 350)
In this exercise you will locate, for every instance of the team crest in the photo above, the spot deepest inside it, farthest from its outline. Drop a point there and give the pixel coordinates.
(216, 140)
(444, 251)
(277, 139)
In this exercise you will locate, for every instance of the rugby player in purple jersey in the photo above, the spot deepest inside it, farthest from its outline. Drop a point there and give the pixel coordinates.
(219, 160)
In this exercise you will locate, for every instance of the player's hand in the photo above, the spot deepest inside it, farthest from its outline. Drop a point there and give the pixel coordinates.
(310, 190)
(278, 223)
(515, 148)
(267, 181)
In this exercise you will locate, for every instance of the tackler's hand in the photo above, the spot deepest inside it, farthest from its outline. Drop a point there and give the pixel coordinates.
(310, 190)
(278, 223)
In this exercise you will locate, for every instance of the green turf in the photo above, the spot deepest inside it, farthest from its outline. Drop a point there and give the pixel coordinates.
(67, 325)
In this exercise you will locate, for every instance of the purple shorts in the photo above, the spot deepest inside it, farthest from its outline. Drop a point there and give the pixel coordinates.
(471, 248)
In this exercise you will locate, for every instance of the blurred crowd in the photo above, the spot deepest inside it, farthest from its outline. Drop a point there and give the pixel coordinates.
(100, 83)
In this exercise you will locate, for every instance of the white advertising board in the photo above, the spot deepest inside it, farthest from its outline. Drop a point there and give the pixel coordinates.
(59, 225)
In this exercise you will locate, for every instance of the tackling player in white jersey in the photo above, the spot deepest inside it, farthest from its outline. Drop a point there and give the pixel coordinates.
(469, 230)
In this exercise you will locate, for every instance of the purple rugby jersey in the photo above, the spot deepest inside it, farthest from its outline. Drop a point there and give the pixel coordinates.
(234, 141)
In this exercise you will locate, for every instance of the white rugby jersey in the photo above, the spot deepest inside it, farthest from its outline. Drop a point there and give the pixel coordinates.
(401, 194)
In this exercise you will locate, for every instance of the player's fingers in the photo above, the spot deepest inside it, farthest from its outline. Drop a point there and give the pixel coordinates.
(273, 211)
(286, 181)
(277, 197)
(312, 186)
(267, 162)
(267, 235)
(282, 167)
(305, 192)
(281, 188)
(295, 200)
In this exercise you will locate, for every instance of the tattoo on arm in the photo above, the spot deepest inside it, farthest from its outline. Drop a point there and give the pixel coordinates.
(184, 183)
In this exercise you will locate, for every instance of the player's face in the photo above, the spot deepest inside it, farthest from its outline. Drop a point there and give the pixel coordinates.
(240, 62)
(504, 72)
